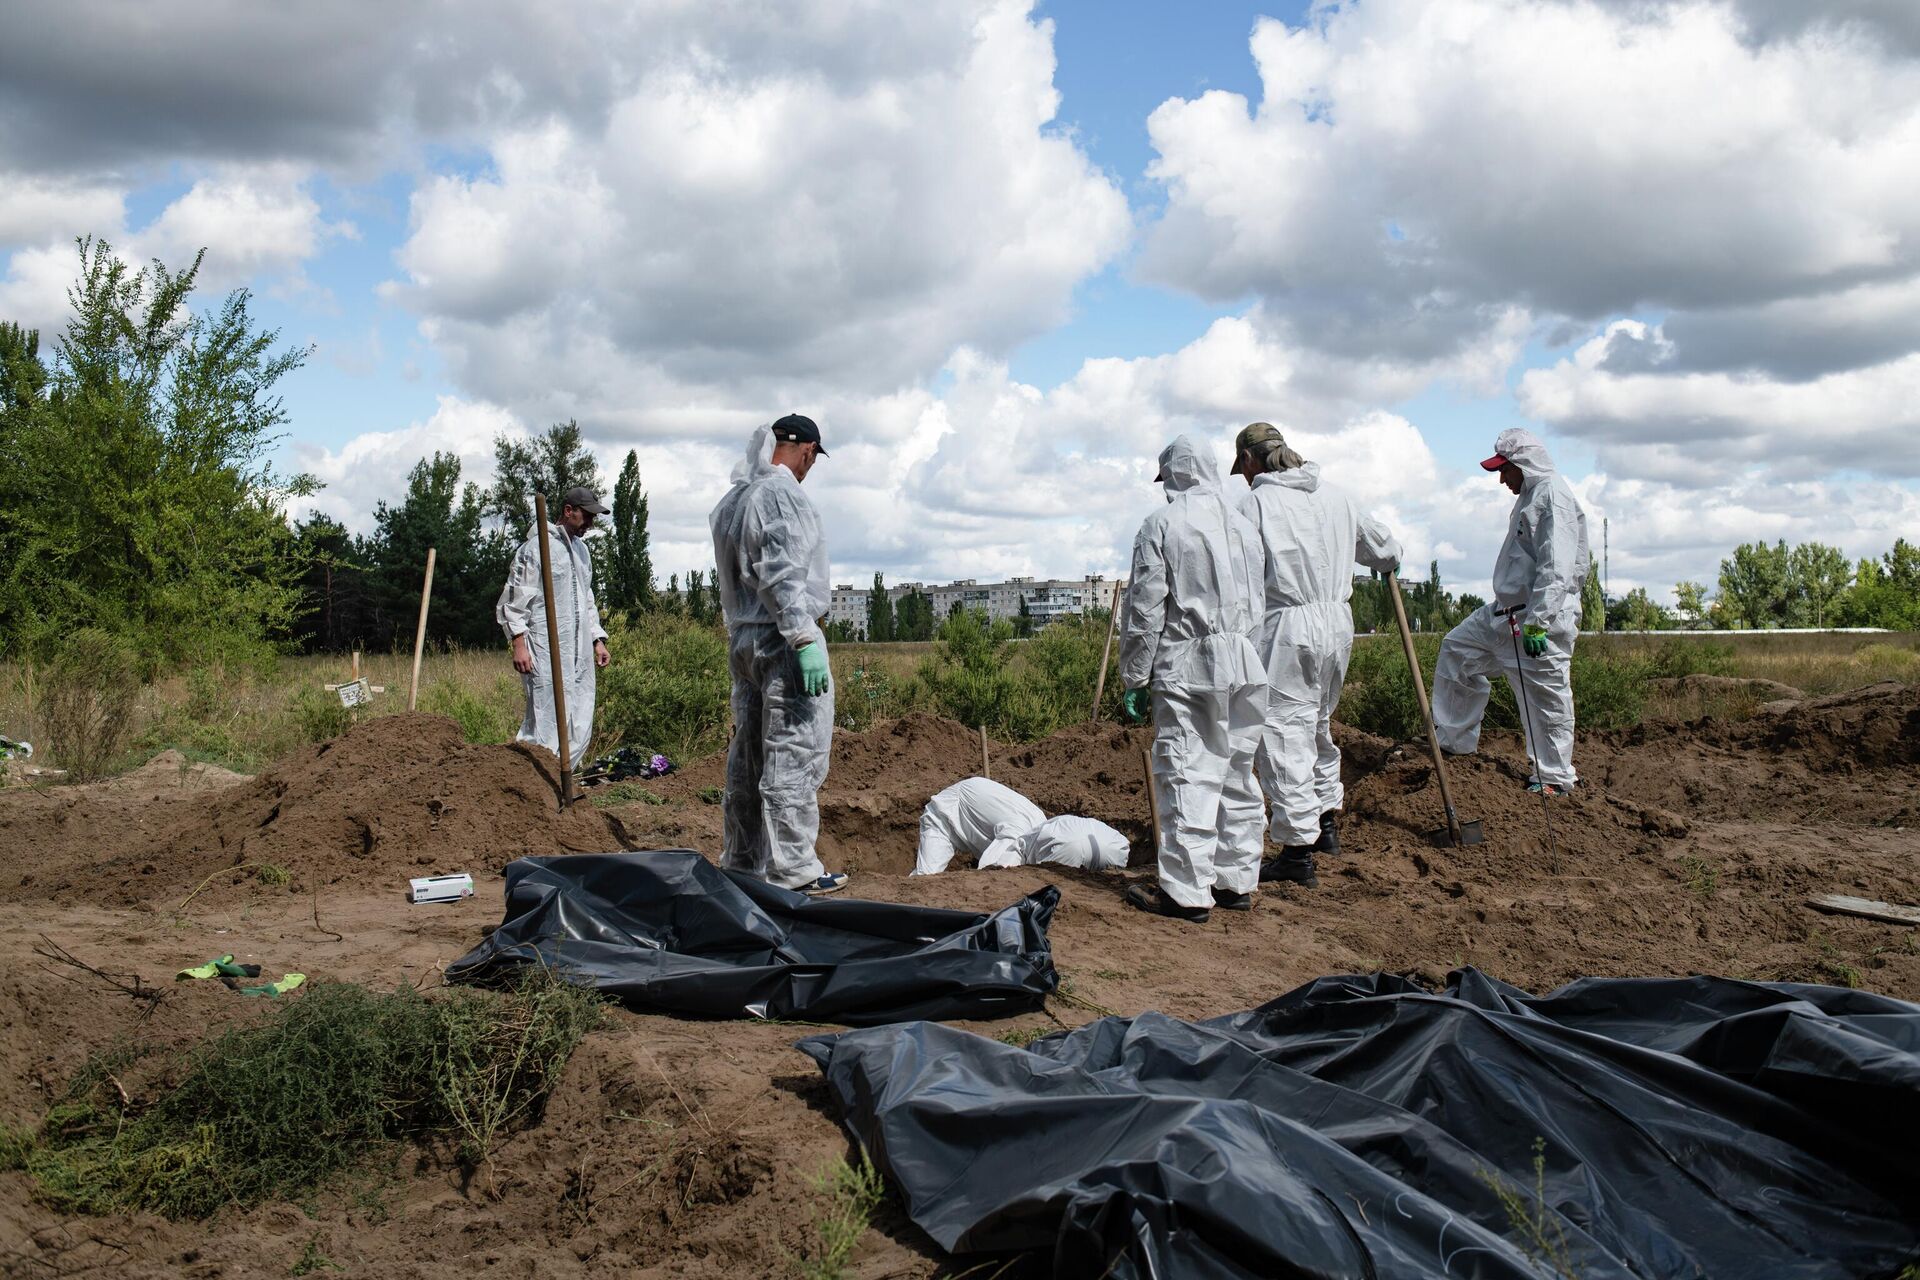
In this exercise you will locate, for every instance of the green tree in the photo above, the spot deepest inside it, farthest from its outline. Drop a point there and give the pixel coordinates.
(1023, 621)
(471, 562)
(628, 558)
(1819, 575)
(879, 612)
(913, 616)
(548, 464)
(1691, 600)
(1755, 585)
(1901, 568)
(333, 613)
(1876, 599)
(1593, 602)
(140, 497)
(1637, 611)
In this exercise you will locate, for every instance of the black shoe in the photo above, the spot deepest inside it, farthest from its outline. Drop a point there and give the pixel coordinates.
(1228, 900)
(1329, 842)
(1294, 865)
(1153, 899)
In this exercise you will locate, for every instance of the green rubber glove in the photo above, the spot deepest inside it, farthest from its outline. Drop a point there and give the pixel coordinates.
(1534, 640)
(1136, 705)
(813, 669)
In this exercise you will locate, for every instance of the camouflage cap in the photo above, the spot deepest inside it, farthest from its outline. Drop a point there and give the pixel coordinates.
(1255, 437)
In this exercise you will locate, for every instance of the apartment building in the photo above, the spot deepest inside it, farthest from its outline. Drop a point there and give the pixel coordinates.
(1046, 598)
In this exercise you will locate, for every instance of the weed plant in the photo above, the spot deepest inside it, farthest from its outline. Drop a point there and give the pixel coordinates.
(278, 1107)
(849, 1195)
(88, 701)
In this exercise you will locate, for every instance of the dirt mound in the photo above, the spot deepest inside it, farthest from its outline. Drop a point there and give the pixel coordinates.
(1699, 683)
(393, 797)
(1820, 759)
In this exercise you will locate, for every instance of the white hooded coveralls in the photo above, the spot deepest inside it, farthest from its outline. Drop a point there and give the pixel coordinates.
(1192, 610)
(770, 561)
(521, 611)
(1005, 829)
(1540, 571)
(1312, 534)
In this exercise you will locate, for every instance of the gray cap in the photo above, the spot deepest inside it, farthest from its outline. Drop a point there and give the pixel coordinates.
(582, 497)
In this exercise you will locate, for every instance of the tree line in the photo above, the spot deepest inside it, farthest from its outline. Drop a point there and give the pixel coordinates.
(138, 498)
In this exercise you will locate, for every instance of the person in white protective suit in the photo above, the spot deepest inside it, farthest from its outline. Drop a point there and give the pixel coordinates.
(770, 561)
(1003, 828)
(1312, 534)
(1192, 610)
(1536, 588)
(522, 614)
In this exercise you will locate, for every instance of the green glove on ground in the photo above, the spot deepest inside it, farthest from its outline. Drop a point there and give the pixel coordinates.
(1534, 640)
(276, 989)
(813, 669)
(1136, 705)
(222, 967)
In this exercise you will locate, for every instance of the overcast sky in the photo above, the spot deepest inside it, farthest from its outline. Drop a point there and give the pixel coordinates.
(1003, 251)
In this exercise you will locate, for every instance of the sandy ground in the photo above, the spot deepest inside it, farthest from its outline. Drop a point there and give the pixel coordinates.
(679, 1148)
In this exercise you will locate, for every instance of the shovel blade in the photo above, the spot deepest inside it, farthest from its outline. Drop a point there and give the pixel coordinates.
(1470, 833)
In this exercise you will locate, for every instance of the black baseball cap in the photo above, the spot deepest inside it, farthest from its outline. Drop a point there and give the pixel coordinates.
(797, 428)
(582, 498)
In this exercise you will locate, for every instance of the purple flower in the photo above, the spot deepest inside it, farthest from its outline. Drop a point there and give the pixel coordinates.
(660, 766)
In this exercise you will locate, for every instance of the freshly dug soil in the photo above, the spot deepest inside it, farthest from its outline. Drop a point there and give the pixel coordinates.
(394, 797)
(690, 1149)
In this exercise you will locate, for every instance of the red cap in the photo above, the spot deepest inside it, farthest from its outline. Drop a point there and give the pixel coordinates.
(1494, 463)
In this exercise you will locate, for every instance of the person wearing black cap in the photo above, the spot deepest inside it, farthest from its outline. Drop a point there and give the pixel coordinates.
(770, 562)
(521, 613)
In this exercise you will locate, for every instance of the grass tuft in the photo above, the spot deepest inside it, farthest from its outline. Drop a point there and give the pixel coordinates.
(1542, 1237)
(850, 1194)
(277, 1107)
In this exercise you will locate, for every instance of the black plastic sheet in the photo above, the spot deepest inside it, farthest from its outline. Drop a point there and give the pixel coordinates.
(1360, 1126)
(670, 932)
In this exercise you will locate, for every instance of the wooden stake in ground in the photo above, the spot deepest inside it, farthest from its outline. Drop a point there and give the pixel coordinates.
(985, 771)
(420, 633)
(1153, 798)
(553, 652)
(1106, 652)
(1458, 833)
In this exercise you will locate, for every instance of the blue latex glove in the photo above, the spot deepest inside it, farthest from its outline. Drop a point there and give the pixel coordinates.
(813, 670)
(1534, 640)
(1136, 706)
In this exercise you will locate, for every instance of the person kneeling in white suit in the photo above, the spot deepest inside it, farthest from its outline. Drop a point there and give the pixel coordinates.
(1005, 829)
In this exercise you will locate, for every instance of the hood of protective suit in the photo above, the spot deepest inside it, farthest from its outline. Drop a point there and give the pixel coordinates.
(1523, 449)
(1183, 467)
(759, 459)
(1305, 477)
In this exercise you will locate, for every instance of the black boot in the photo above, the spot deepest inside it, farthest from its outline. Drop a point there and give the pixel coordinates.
(1153, 899)
(1295, 865)
(1228, 900)
(1329, 842)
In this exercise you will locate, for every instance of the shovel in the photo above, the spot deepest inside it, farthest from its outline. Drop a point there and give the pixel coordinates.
(1456, 833)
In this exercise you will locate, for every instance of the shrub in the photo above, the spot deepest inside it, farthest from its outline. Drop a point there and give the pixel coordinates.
(667, 689)
(1689, 657)
(86, 711)
(274, 1108)
(970, 680)
(319, 714)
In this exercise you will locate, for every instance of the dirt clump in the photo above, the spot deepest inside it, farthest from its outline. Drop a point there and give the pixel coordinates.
(393, 797)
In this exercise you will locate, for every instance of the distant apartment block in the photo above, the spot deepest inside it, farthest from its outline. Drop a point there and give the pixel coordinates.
(1046, 598)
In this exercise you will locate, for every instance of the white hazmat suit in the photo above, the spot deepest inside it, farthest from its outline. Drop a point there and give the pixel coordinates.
(1192, 610)
(1312, 534)
(521, 611)
(1540, 571)
(1005, 829)
(770, 561)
